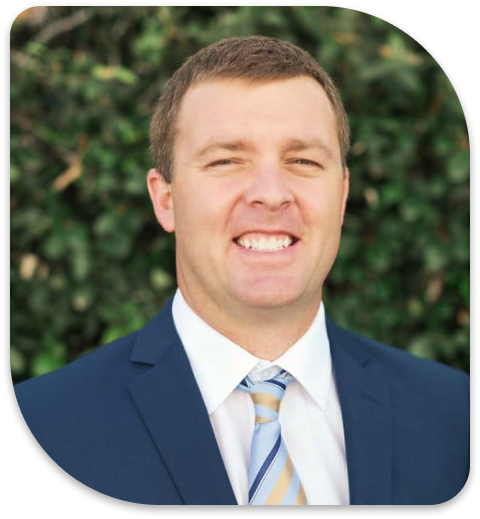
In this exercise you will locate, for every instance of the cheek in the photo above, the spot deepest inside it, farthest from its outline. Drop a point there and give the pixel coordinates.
(323, 218)
(324, 207)
(202, 212)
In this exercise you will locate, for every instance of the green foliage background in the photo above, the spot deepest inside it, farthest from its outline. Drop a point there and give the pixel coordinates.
(89, 262)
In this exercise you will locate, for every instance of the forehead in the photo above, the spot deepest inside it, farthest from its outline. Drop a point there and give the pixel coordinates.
(296, 107)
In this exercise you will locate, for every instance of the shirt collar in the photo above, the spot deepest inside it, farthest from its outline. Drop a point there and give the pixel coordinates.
(219, 364)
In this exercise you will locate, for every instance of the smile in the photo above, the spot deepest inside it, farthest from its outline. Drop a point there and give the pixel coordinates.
(266, 243)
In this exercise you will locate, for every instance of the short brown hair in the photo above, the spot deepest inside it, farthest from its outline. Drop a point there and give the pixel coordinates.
(255, 58)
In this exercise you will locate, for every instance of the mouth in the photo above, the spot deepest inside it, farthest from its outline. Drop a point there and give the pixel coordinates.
(266, 242)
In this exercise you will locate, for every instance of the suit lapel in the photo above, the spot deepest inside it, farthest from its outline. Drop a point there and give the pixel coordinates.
(170, 403)
(366, 410)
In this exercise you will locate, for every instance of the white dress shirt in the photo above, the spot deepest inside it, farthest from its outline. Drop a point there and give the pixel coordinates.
(310, 413)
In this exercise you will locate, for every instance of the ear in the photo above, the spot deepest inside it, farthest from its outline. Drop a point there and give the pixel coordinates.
(345, 187)
(161, 196)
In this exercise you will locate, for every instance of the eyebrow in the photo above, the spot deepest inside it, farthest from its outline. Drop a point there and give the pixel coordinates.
(215, 145)
(239, 145)
(300, 145)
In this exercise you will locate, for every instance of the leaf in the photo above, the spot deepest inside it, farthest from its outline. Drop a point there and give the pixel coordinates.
(121, 74)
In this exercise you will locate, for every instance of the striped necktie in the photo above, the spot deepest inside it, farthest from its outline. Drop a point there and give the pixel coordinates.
(272, 477)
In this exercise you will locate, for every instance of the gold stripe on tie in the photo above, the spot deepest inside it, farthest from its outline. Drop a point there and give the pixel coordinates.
(282, 485)
(301, 498)
(266, 400)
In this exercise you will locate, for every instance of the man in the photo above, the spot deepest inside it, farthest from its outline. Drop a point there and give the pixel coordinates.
(250, 140)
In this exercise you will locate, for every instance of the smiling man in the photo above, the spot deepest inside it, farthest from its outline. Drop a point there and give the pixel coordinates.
(257, 201)
(241, 390)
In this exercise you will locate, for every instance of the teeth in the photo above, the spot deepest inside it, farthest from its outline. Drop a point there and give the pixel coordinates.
(264, 244)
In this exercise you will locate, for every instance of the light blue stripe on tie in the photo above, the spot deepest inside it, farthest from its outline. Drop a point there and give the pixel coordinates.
(265, 412)
(267, 436)
(270, 478)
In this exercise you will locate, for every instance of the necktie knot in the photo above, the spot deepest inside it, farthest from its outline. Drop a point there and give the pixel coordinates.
(267, 395)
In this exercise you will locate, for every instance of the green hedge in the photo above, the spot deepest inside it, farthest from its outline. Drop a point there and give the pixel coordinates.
(89, 262)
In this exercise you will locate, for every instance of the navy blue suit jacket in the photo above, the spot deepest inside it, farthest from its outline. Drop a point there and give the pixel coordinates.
(128, 420)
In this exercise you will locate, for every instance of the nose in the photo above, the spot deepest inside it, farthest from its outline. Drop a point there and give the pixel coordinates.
(269, 187)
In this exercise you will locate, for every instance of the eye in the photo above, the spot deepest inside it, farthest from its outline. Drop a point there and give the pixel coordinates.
(306, 162)
(221, 162)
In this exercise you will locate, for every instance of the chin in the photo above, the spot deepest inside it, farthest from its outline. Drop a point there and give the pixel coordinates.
(269, 297)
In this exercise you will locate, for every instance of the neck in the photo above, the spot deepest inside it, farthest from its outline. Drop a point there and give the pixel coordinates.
(266, 333)
(269, 340)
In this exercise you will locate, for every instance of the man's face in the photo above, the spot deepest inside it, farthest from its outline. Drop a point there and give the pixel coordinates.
(258, 195)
